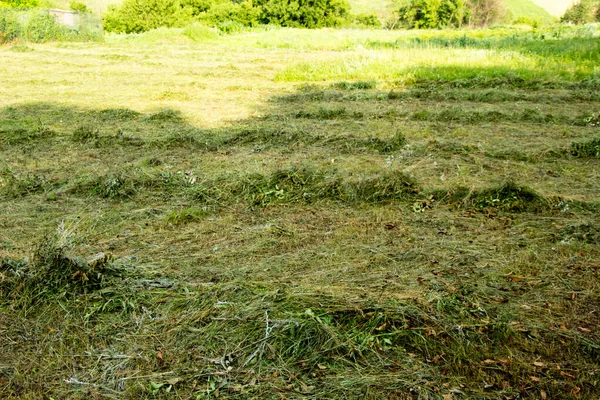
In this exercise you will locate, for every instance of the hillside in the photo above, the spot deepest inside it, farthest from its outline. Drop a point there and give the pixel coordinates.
(527, 9)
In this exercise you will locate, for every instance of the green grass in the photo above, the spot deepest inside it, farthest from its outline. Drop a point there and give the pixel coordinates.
(301, 214)
(527, 9)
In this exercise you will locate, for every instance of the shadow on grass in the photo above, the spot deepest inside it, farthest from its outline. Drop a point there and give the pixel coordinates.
(49, 130)
(244, 338)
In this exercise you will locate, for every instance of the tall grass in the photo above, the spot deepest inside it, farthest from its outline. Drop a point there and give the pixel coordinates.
(568, 55)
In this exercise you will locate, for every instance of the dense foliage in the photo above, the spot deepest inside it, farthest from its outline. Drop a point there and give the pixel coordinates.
(303, 13)
(10, 28)
(136, 16)
(432, 14)
(141, 15)
(584, 12)
(19, 3)
(39, 26)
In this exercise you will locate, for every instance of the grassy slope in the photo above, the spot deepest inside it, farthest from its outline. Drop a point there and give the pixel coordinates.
(277, 231)
(529, 9)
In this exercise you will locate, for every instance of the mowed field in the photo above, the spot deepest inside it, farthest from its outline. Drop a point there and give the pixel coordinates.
(301, 214)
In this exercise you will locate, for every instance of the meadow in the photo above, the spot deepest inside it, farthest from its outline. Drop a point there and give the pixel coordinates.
(284, 213)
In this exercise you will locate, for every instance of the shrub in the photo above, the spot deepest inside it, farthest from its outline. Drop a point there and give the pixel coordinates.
(430, 14)
(76, 5)
(10, 29)
(39, 26)
(84, 133)
(136, 16)
(368, 20)
(533, 22)
(42, 27)
(304, 13)
(230, 17)
(433, 14)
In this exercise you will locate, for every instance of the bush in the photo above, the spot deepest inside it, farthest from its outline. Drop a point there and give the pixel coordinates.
(589, 149)
(584, 12)
(367, 20)
(533, 22)
(304, 13)
(431, 14)
(42, 27)
(137, 16)
(231, 17)
(10, 29)
(22, 4)
(39, 26)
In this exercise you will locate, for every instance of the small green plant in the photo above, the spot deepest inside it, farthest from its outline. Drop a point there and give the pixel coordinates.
(523, 20)
(166, 115)
(589, 149)
(509, 197)
(396, 142)
(52, 271)
(21, 49)
(84, 133)
(187, 215)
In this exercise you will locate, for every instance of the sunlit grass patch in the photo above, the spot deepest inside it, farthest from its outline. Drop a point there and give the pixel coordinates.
(415, 64)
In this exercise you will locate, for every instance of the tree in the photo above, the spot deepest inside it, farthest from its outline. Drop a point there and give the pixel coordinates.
(135, 16)
(432, 14)
(304, 13)
(435, 14)
(486, 12)
(584, 12)
(19, 3)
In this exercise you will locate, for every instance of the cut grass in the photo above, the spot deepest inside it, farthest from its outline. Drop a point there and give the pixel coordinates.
(352, 235)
